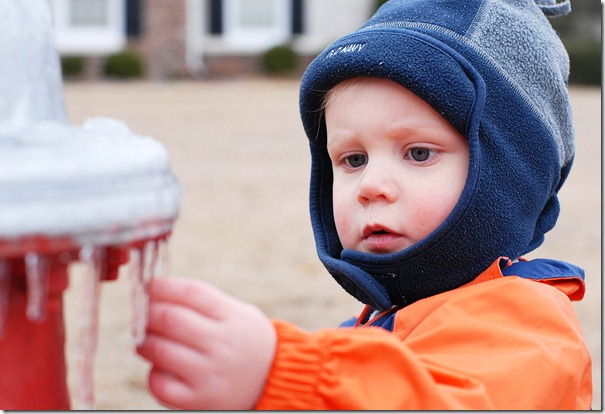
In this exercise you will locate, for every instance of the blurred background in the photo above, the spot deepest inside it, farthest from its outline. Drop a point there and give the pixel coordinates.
(159, 40)
(216, 81)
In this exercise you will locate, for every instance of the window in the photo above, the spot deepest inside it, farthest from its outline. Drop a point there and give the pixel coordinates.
(88, 13)
(256, 14)
(89, 27)
(256, 23)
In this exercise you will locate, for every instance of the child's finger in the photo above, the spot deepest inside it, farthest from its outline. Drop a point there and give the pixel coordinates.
(169, 389)
(169, 356)
(194, 294)
(180, 324)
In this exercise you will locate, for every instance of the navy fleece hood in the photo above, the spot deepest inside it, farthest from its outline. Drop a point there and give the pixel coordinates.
(497, 71)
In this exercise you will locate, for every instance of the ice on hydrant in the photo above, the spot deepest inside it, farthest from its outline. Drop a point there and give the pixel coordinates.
(91, 257)
(145, 264)
(72, 188)
(37, 273)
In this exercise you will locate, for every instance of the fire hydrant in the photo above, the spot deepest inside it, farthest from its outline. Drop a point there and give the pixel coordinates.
(97, 194)
(32, 352)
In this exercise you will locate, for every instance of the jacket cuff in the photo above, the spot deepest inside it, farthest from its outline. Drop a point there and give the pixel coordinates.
(294, 375)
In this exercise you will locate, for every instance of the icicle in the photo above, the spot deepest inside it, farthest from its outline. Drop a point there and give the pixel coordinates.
(36, 272)
(161, 268)
(4, 296)
(150, 259)
(89, 325)
(136, 295)
(136, 292)
(143, 265)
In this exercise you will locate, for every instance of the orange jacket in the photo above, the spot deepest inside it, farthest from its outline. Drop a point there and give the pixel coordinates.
(502, 343)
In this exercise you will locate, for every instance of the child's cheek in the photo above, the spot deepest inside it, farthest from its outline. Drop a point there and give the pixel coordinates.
(431, 210)
(343, 211)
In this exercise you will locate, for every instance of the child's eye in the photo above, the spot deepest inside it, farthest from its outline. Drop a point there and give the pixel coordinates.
(420, 154)
(355, 160)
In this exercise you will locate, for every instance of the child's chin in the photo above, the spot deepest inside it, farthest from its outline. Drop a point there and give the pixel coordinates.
(385, 244)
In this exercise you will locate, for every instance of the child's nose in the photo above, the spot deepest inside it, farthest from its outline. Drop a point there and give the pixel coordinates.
(377, 184)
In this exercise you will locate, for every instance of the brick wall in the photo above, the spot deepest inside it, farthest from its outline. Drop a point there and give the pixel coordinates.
(162, 38)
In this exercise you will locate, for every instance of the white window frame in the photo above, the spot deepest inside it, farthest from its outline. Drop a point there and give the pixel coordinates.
(90, 40)
(256, 38)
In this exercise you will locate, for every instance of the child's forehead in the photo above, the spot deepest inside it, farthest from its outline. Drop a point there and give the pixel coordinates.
(350, 83)
(353, 84)
(347, 84)
(380, 107)
(377, 94)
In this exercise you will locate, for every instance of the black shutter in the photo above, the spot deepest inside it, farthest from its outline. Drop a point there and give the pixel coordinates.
(297, 17)
(216, 17)
(133, 18)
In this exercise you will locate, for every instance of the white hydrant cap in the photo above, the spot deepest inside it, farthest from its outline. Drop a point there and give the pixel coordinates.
(97, 184)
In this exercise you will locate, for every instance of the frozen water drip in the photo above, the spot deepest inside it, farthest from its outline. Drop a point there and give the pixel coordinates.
(91, 257)
(145, 264)
(162, 263)
(137, 296)
(37, 273)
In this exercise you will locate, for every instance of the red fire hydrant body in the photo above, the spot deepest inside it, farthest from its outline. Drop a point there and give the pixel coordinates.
(32, 354)
(33, 369)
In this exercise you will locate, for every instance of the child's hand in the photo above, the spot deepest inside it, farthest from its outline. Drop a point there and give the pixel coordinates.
(208, 350)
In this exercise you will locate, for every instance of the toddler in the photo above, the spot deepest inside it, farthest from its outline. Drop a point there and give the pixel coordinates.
(440, 134)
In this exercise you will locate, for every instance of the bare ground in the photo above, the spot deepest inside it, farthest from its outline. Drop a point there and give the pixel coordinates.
(239, 152)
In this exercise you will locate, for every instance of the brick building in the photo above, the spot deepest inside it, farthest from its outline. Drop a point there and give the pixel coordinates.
(201, 38)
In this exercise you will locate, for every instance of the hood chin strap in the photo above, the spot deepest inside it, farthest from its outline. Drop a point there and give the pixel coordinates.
(551, 8)
(358, 283)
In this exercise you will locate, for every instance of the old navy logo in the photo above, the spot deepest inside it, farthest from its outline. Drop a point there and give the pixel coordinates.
(352, 48)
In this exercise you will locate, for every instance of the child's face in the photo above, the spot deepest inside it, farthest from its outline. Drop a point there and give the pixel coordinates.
(399, 167)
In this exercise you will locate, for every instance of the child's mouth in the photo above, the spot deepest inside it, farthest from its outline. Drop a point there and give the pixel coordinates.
(382, 241)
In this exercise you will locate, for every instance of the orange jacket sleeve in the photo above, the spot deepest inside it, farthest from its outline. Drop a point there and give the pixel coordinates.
(503, 344)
